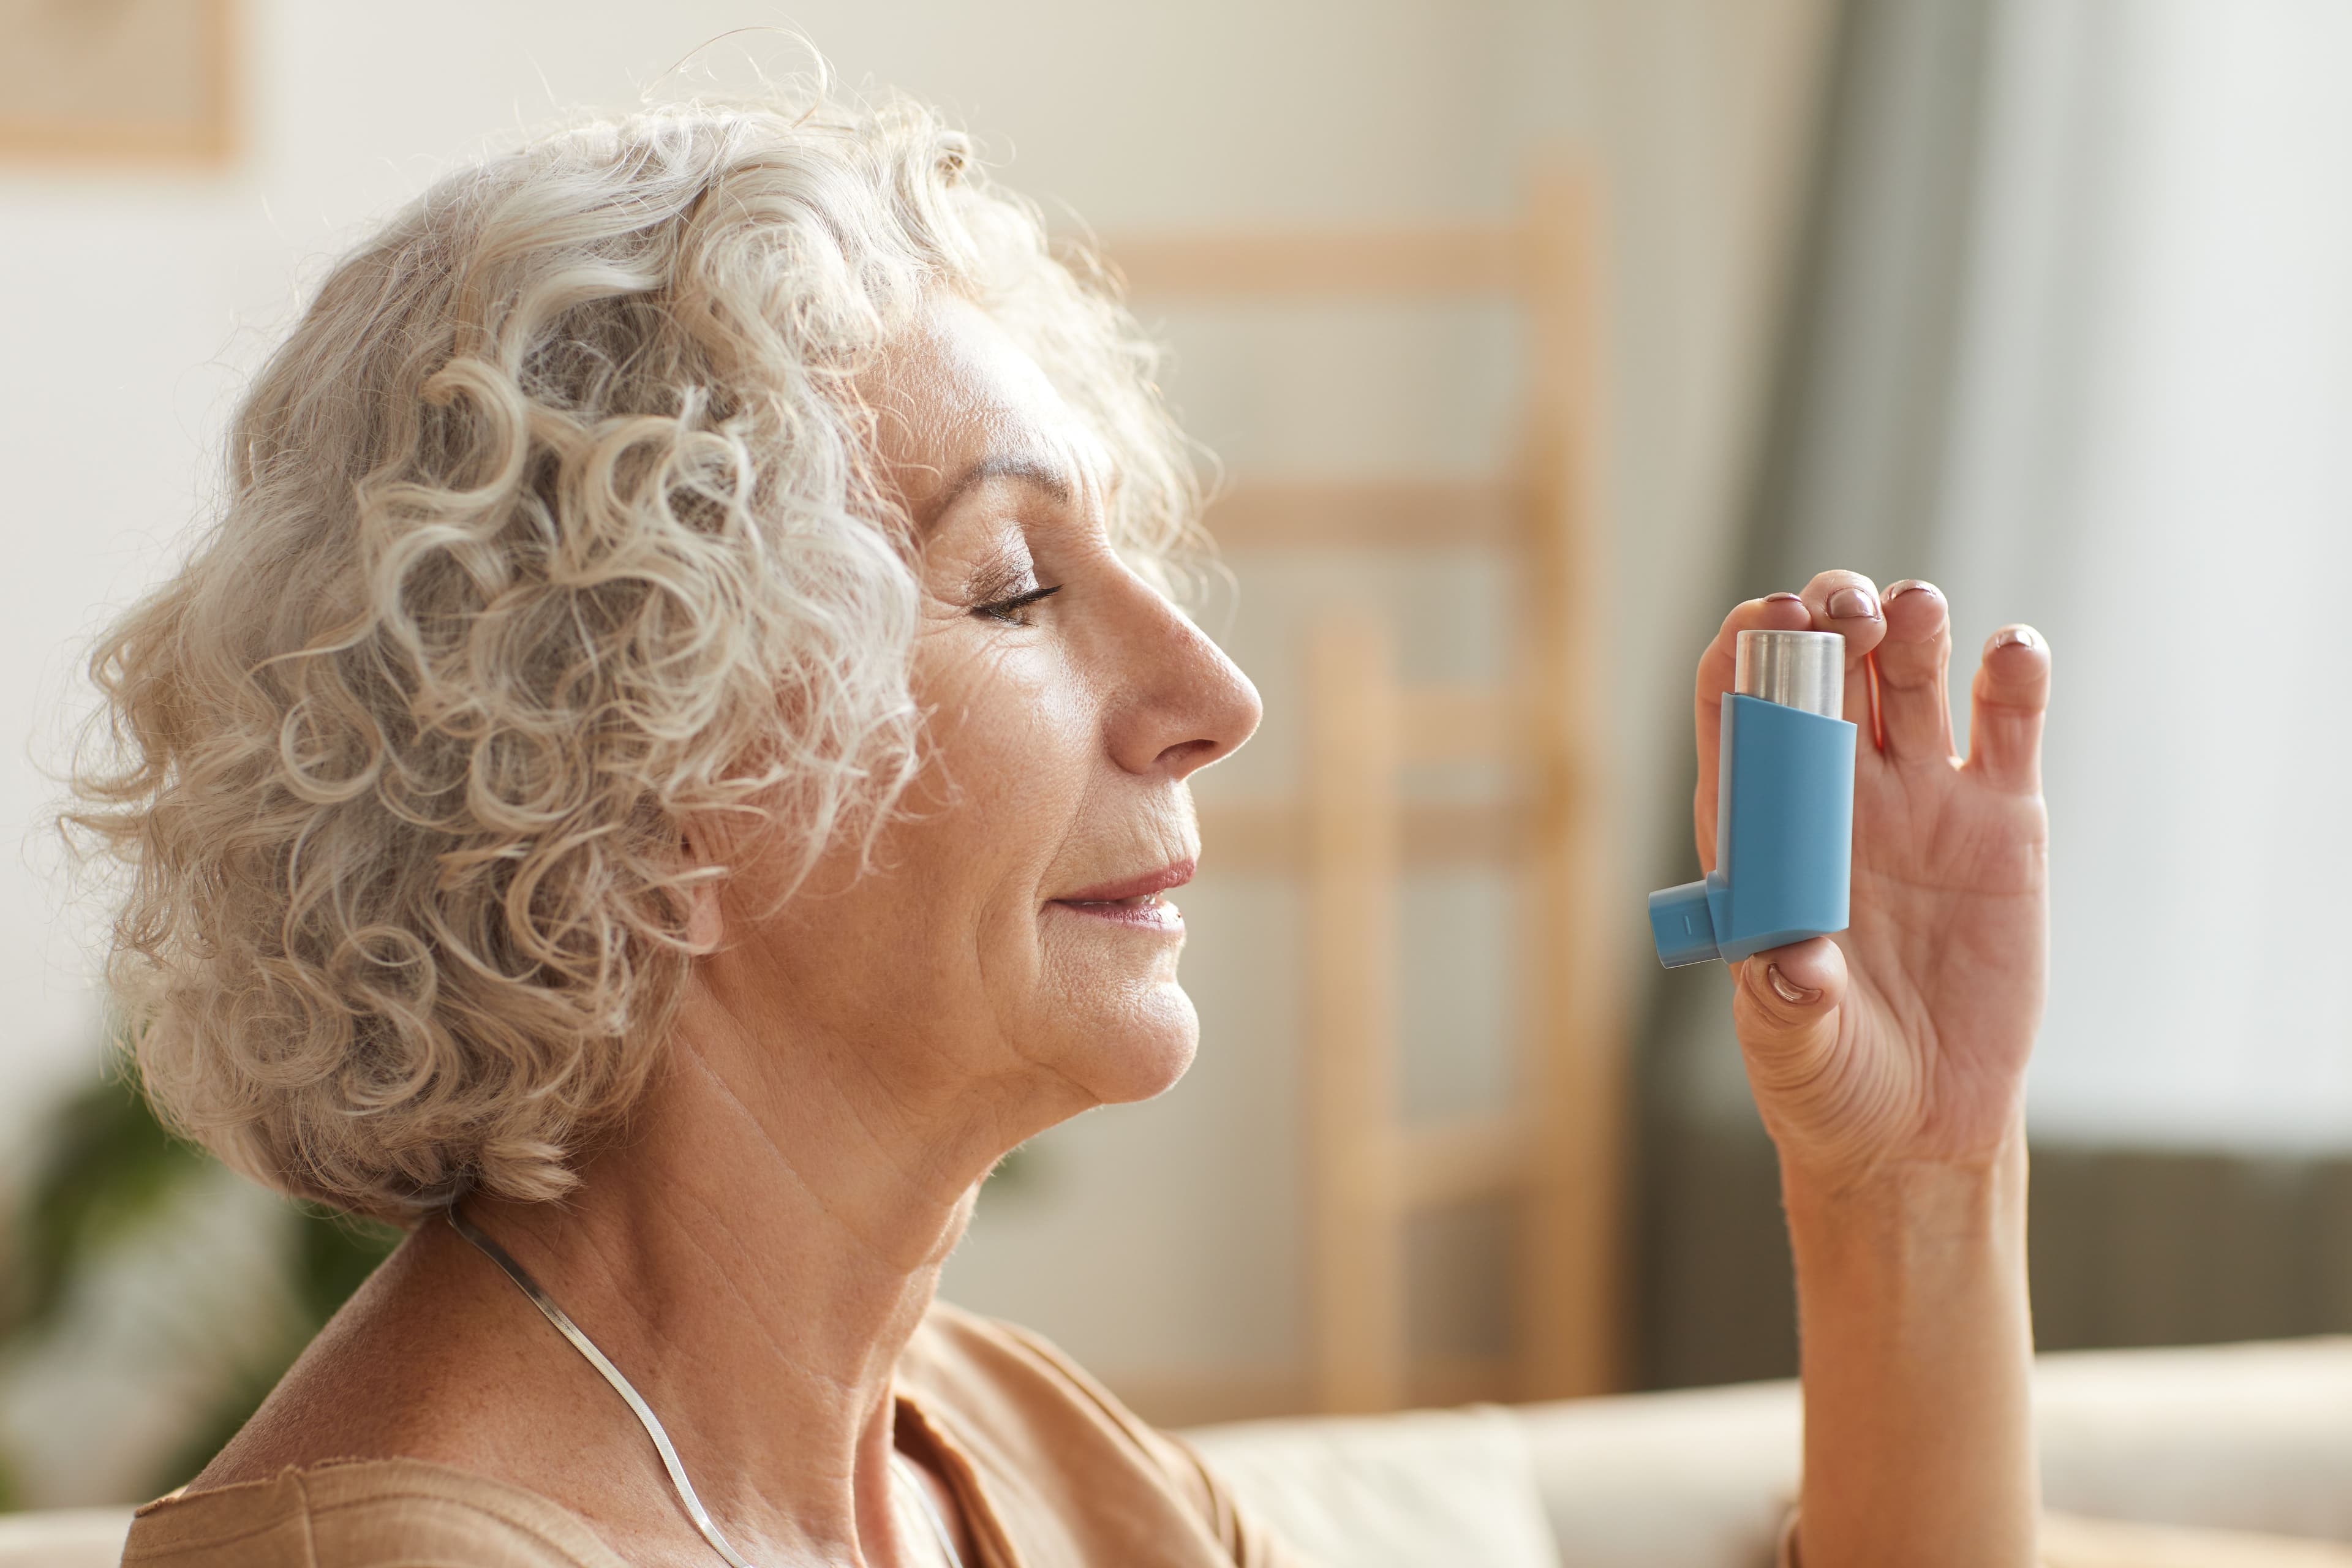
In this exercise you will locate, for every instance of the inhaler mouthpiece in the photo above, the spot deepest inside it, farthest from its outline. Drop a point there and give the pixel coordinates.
(1784, 808)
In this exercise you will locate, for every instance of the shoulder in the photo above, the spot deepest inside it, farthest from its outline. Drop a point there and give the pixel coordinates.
(359, 1513)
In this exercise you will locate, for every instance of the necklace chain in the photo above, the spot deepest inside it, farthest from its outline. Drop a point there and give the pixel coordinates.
(902, 1469)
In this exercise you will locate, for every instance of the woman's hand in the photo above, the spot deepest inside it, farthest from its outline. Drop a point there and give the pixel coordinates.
(1904, 1037)
(1889, 1063)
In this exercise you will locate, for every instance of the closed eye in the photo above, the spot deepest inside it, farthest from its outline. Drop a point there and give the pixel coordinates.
(1013, 611)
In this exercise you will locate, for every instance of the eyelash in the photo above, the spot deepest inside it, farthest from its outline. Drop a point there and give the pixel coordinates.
(1009, 610)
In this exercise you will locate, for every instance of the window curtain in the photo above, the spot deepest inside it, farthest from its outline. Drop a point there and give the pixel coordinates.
(2070, 332)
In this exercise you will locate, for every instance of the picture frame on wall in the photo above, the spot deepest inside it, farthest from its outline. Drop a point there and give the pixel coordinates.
(133, 81)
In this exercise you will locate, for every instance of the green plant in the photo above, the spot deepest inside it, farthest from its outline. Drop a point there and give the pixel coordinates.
(108, 1172)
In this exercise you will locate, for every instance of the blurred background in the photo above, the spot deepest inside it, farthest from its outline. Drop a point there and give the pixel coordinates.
(2048, 300)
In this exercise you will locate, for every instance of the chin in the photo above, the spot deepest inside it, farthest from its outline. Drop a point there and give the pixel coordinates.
(1137, 1050)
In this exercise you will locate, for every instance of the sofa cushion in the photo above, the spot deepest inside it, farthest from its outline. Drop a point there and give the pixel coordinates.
(1432, 1489)
(1698, 1479)
(2230, 1437)
(2255, 1437)
(65, 1538)
(2072, 1542)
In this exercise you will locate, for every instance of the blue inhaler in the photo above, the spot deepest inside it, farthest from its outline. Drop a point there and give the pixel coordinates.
(1784, 809)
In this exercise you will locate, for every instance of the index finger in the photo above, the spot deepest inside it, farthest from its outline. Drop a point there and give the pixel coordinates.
(1847, 602)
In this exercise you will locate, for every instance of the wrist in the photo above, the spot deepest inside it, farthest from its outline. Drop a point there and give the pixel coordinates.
(1917, 1347)
(1888, 1181)
(1909, 1237)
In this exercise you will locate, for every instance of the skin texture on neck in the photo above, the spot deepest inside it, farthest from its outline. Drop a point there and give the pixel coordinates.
(799, 1234)
(851, 1055)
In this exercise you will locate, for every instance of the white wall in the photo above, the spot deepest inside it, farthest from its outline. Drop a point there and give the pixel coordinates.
(1155, 1239)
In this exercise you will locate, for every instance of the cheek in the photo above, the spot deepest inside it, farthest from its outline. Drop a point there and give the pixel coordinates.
(1013, 735)
(1011, 749)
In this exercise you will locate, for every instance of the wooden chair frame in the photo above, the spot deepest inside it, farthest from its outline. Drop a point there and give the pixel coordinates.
(1351, 837)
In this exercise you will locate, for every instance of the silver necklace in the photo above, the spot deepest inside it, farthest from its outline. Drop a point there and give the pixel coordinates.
(902, 1469)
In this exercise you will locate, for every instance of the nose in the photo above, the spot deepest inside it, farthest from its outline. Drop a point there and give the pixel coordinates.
(1183, 703)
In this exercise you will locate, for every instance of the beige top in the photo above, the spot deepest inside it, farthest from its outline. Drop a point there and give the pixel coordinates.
(1049, 1471)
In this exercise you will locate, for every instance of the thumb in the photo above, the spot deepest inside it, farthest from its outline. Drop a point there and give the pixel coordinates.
(1785, 1012)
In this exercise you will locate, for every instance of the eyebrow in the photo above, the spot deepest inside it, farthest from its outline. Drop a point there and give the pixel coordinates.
(1030, 469)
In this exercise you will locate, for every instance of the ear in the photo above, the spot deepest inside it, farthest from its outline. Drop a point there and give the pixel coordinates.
(706, 925)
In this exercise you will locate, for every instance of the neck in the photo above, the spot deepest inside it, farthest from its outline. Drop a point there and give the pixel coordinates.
(754, 1255)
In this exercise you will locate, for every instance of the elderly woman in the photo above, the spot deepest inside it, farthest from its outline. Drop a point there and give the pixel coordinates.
(670, 765)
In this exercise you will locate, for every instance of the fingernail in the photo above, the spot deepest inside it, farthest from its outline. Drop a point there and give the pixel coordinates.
(1788, 990)
(1853, 604)
(1912, 586)
(1776, 598)
(2020, 636)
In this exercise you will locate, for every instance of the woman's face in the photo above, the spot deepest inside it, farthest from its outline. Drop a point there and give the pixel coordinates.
(1014, 948)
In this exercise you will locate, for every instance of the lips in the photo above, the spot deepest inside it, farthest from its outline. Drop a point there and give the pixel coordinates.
(1169, 875)
(1134, 902)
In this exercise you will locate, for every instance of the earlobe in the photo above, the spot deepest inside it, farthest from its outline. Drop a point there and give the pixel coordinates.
(705, 925)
